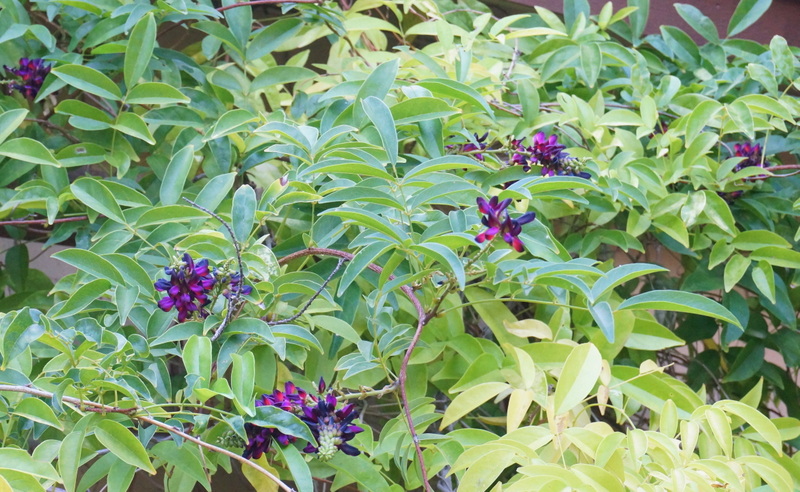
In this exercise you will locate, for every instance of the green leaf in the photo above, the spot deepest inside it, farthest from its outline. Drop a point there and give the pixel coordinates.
(132, 124)
(674, 227)
(699, 22)
(445, 256)
(88, 261)
(274, 418)
(638, 18)
(69, 458)
(169, 213)
(580, 373)
(215, 191)
(700, 117)
(233, 121)
(139, 51)
(176, 174)
(272, 37)
(755, 419)
(362, 471)
(753, 240)
(10, 120)
(370, 221)
(782, 57)
(17, 460)
(243, 380)
(38, 411)
(622, 274)
(82, 297)
(470, 400)
(280, 75)
(379, 114)
(361, 261)
(735, 269)
(420, 109)
(88, 79)
(604, 318)
(444, 163)
(298, 467)
(651, 335)
(679, 301)
(742, 117)
(746, 14)
(155, 93)
(764, 278)
(337, 326)
(97, 197)
(29, 150)
(777, 256)
(243, 212)
(763, 76)
(197, 357)
(591, 63)
(122, 443)
(457, 90)
(747, 363)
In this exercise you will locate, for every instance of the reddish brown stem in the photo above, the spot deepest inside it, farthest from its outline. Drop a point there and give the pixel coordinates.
(263, 2)
(16, 222)
(422, 320)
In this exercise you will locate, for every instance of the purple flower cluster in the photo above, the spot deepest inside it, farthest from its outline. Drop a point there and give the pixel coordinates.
(293, 400)
(32, 71)
(751, 153)
(190, 283)
(546, 152)
(187, 288)
(496, 219)
(331, 428)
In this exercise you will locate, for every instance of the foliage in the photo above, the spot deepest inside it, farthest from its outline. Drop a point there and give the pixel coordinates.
(263, 195)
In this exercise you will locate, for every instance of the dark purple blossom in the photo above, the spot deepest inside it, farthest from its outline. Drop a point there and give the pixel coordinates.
(498, 221)
(752, 156)
(32, 71)
(187, 288)
(293, 400)
(332, 428)
(731, 196)
(546, 152)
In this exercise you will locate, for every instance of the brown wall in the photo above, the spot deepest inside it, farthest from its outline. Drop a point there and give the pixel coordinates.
(783, 17)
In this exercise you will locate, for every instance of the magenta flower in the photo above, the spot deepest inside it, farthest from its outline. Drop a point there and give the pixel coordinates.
(751, 153)
(187, 288)
(332, 428)
(496, 219)
(32, 71)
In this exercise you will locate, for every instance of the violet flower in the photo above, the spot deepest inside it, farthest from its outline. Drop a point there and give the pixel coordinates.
(187, 288)
(32, 71)
(332, 428)
(229, 282)
(752, 154)
(496, 219)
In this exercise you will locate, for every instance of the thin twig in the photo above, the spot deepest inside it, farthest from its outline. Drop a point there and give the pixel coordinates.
(514, 59)
(53, 126)
(422, 320)
(233, 298)
(16, 222)
(216, 449)
(99, 407)
(313, 298)
(264, 2)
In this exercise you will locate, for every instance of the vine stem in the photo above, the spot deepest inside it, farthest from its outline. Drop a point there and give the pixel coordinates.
(16, 222)
(422, 320)
(101, 408)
